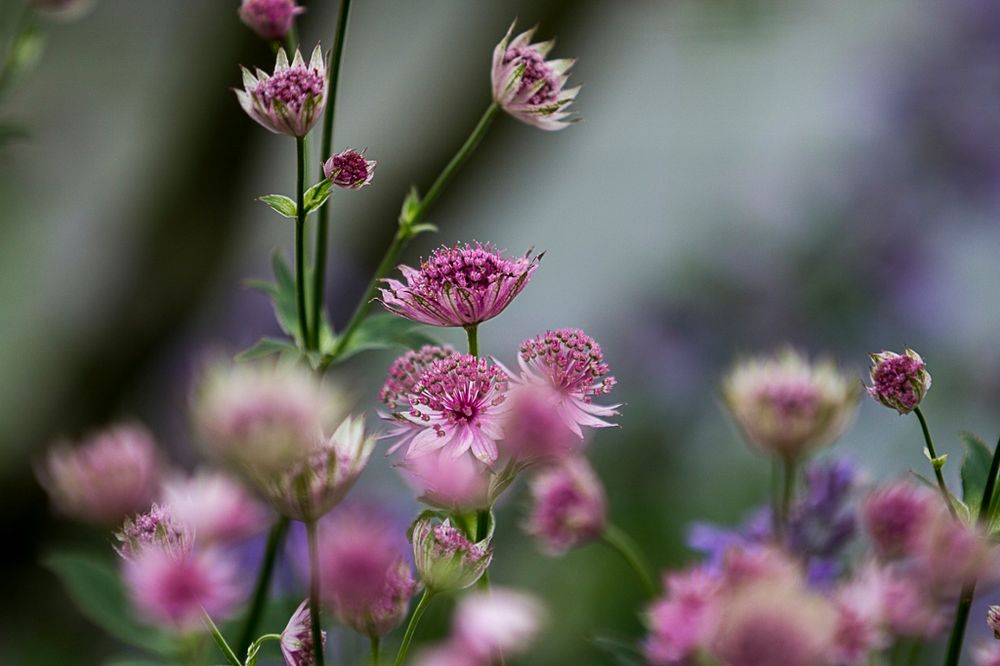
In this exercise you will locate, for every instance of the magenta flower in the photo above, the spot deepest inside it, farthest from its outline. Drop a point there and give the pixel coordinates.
(292, 99)
(899, 381)
(461, 484)
(156, 528)
(569, 506)
(861, 624)
(445, 558)
(110, 475)
(681, 622)
(297, 640)
(497, 623)
(529, 87)
(896, 518)
(271, 19)
(535, 431)
(217, 508)
(449, 653)
(349, 169)
(463, 285)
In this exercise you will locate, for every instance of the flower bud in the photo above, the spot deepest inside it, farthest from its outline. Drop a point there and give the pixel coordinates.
(349, 169)
(271, 19)
(297, 639)
(569, 506)
(445, 558)
(461, 484)
(218, 509)
(993, 620)
(292, 99)
(155, 528)
(899, 381)
(896, 518)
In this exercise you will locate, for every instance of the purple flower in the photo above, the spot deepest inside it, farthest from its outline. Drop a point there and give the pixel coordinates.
(349, 169)
(462, 285)
(445, 558)
(271, 19)
(529, 87)
(822, 521)
(899, 381)
(297, 640)
(569, 506)
(292, 99)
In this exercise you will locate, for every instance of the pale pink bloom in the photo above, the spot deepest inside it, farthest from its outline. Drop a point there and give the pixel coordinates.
(462, 285)
(271, 19)
(787, 406)
(861, 618)
(297, 640)
(909, 608)
(899, 381)
(156, 528)
(758, 564)
(292, 99)
(681, 622)
(106, 477)
(445, 558)
(535, 430)
(987, 654)
(896, 517)
(497, 622)
(217, 508)
(529, 87)
(451, 653)
(569, 509)
(349, 169)
(461, 484)
(952, 554)
(397, 391)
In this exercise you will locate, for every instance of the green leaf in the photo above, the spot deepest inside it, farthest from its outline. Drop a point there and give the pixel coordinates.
(317, 195)
(281, 205)
(382, 331)
(267, 347)
(975, 469)
(418, 229)
(621, 652)
(411, 206)
(282, 294)
(95, 588)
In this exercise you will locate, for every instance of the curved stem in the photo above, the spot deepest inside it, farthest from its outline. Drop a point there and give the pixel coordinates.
(221, 641)
(375, 649)
(326, 146)
(473, 333)
(300, 228)
(623, 544)
(274, 541)
(937, 470)
(411, 628)
(314, 609)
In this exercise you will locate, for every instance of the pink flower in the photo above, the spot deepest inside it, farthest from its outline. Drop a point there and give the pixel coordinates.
(899, 381)
(993, 620)
(110, 475)
(758, 564)
(349, 169)
(445, 558)
(292, 99)
(271, 19)
(462, 285)
(217, 508)
(952, 554)
(909, 608)
(569, 506)
(529, 87)
(450, 653)
(987, 654)
(156, 528)
(461, 484)
(297, 640)
(498, 622)
(681, 622)
(861, 622)
(896, 517)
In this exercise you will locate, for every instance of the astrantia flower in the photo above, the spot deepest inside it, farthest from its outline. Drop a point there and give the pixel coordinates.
(445, 558)
(349, 169)
(110, 475)
(535, 430)
(292, 99)
(497, 622)
(450, 653)
(156, 528)
(217, 508)
(297, 639)
(529, 87)
(461, 484)
(271, 19)
(462, 285)
(896, 518)
(899, 381)
(787, 406)
(569, 506)
(681, 622)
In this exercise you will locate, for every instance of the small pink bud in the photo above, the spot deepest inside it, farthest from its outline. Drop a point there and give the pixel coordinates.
(297, 640)
(497, 622)
(349, 169)
(569, 506)
(271, 19)
(899, 381)
(445, 558)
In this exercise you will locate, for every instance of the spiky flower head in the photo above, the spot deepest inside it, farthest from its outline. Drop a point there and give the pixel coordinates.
(498, 622)
(297, 640)
(569, 506)
(156, 528)
(445, 558)
(218, 509)
(535, 431)
(899, 381)
(271, 19)
(291, 100)
(462, 285)
(787, 406)
(529, 87)
(349, 169)
(106, 477)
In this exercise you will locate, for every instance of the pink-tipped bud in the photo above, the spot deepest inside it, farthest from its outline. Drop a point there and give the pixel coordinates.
(271, 19)
(896, 518)
(445, 558)
(349, 169)
(899, 381)
(497, 623)
(291, 100)
(297, 640)
(569, 506)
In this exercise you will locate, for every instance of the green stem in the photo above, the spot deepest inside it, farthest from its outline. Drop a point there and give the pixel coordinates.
(623, 544)
(914, 653)
(274, 541)
(221, 641)
(788, 468)
(473, 333)
(375, 647)
(314, 609)
(23, 25)
(986, 507)
(300, 232)
(937, 470)
(326, 147)
(411, 628)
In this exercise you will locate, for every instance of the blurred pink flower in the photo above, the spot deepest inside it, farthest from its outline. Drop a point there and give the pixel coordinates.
(462, 285)
(271, 19)
(443, 481)
(987, 654)
(534, 428)
(569, 506)
(349, 169)
(156, 528)
(497, 622)
(217, 508)
(681, 622)
(450, 653)
(861, 620)
(292, 99)
(899, 381)
(445, 558)
(297, 641)
(896, 517)
(108, 476)
(909, 607)
(952, 554)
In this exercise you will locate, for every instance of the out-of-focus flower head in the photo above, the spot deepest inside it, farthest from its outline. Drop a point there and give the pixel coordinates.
(156, 528)
(569, 506)
(987, 654)
(449, 653)
(364, 575)
(349, 169)
(110, 475)
(461, 285)
(291, 100)
(218, 509)
(861, 623)
(899, 381)
(759, 564)
(445, 558)
(461, 484)
(297, 640)
(681, 621)
(993, 620)
(910, 607)
(897, 516)
(952, 553)
(271, 19)
(535, 431)
(529, 87)
(787, 406)
(495, 623)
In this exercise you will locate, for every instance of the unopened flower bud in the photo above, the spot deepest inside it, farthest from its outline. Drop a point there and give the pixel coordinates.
(349, 169)
(271, 19)
(993, 620)
(291, 100)
(899, 381)
(569, 506)
(445, 558)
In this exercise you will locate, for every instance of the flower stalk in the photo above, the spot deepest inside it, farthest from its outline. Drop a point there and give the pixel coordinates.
(274, 541)
(934, 462)
(300, 230)
(622, 543)
(473, 334)
(314, 607)
(411, 627)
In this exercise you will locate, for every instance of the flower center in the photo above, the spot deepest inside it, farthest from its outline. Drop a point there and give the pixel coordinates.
(460, 387)
(535, 69)
(292, 87)
(470, 267)
(350, 168)
(893, 379)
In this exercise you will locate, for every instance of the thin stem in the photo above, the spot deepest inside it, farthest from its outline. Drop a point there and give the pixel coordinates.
(787, 494)
(375, 648)
(221, 641)
(914, 653)
(300, 232)
(473, 333)
(326, 147)
(314, 610)
(937, 470)
(986, 506)
(274, 541)
(411, 628)
(623, 544)
(776, 468)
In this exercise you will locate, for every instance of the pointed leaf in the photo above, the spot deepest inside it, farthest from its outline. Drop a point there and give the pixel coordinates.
(280, 204)
(267, 347)
(620, 652)
(975, 469)
(317, 195)
(382, 331)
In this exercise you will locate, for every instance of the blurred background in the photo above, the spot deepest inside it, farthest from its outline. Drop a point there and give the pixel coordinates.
(746, 173)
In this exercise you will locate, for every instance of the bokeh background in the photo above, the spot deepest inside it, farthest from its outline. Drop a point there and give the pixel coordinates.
(746, 173)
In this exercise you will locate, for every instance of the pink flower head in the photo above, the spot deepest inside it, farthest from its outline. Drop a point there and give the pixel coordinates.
(681, 621)
(364, 575)
(271, 19)
(450, 653)
(445, 558)
(110, 475)
(406, 371)
(952, 554)
(909, 608)
(743, 566)
(529, 87)
(157, 528)
(461, 484)
(349, 169)
(787, 406)
(569, 506)
(292, 99)
(457, 405)
(462, 285)
(897, 516)
(218, 509)
(987, 654)
(899, 381)
(535, 430)
(861, 620)
(495, 623)
(297, 640)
